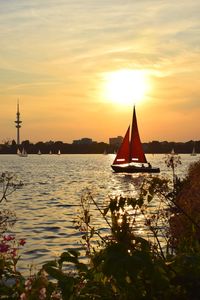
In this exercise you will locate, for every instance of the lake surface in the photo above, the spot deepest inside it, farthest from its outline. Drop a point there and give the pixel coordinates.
(49, 201)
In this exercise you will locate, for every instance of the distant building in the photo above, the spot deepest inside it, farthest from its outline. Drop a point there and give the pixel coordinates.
(116, 141)
(83, 141)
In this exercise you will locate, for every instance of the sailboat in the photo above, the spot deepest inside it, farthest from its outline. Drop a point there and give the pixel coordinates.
(130, 157)
(105, 152)
(23, 153)
(193, 151)
(173, 152)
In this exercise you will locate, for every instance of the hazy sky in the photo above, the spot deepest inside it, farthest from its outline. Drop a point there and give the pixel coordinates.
(55, 56)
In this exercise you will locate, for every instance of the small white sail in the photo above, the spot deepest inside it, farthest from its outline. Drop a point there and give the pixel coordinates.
(23, 153)
(193, 152)
(172, 152)
(18, 152)
(39, 152)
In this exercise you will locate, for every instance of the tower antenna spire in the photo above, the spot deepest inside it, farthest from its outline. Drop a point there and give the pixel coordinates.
(18, 123)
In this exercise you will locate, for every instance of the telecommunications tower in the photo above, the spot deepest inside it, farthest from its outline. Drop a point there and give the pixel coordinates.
(18, 124)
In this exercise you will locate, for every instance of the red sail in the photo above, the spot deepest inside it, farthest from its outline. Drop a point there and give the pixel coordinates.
(136, 152)
(123, 154)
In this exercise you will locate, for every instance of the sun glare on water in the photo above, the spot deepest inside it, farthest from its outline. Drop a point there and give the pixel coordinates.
(125, 86)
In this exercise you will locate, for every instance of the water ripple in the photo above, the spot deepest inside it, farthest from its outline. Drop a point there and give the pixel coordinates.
(47, 204)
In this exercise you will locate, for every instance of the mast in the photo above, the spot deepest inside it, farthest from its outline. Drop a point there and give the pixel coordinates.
(136, 151)
(134, 121)
(18, 124)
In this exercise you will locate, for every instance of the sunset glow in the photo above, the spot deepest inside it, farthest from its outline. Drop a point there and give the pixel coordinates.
(84, 62)
(126, 86)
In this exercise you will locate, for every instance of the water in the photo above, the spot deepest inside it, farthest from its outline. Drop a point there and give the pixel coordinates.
(48, 203)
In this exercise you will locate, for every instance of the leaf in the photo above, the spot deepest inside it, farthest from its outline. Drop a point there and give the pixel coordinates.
(113, 205)
(149, 198)
(132, 202)
(122, 201)
(140, 202)
(82, 267)
(55, 273)
(105, 211)
(67, 257)
(52, 263)
(75, 253)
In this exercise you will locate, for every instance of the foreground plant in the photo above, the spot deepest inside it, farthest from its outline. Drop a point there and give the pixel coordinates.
(185, 219)
(10, 278)
(125, 265)
(8, 185)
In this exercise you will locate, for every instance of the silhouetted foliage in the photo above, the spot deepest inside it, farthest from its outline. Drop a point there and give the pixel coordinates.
(8, 184)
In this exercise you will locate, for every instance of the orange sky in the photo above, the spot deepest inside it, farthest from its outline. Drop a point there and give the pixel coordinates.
(55, 57)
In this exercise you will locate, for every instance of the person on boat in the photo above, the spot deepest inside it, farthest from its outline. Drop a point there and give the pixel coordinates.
(149, 165)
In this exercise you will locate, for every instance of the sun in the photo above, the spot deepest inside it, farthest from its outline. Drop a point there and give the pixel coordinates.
(125, 86)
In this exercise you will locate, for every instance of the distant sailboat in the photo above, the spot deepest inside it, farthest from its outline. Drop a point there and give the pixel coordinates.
(105, 152)
(130, 157)
(39, 152)
(193, 151)
(50, 152)
(59, 152)
(23, 153)
(173, 152)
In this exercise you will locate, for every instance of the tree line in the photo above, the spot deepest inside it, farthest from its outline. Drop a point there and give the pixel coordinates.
(10, 147)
